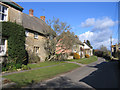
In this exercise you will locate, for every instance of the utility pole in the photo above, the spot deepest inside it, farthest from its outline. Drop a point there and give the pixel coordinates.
(111, 44)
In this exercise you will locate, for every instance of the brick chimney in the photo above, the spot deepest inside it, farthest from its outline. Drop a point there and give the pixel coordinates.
(43, 18)
(84, 41)
(31, 12)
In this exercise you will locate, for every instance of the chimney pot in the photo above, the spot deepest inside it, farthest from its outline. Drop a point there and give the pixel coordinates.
(84, 41)
(31, 12)
(43, 18)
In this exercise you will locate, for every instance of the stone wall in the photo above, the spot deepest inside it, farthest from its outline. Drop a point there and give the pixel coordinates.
(31, 43)
(13, 14)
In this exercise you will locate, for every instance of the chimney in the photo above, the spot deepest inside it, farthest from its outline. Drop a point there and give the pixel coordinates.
(43, 18)
(84, 41)
(31, 12)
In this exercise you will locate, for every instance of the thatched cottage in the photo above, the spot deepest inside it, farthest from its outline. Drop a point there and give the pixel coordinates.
(36, 30)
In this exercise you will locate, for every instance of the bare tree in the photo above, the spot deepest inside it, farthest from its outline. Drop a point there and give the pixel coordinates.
(103, 48)
(59, 33)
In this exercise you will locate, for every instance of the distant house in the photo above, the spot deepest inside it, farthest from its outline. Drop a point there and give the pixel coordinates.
(87, 49)
(36, 30)
(115, 49)
(78, 48)
(62, 50)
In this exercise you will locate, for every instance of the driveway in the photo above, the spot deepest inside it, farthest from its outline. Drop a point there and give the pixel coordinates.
(100, 74)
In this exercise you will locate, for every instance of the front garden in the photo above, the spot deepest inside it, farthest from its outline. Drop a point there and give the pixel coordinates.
(35, 76)
(46, 70)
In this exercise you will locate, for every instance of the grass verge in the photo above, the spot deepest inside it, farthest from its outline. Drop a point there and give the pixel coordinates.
(85, 60)
(46, 63)
(34, 76)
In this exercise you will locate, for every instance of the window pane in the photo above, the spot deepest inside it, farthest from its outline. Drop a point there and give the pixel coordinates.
(2, 42)
(26, 32)
(5, 17)
(0, 8)
(4, 10)
(0, 16)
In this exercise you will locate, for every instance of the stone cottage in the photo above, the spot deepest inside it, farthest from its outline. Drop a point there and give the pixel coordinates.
(36, 30)
(9, 11)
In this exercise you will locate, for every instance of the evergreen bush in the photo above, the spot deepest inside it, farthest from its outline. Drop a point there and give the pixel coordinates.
(16, 42)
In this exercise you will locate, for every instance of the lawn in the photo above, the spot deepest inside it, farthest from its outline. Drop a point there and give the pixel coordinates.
(46, 63)
(85, 60)
(28, 77)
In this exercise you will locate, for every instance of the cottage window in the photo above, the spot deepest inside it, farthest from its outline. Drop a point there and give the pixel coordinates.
(36, 35)
(26, 32)
(3, 13)
(3, 44)
(36, 50)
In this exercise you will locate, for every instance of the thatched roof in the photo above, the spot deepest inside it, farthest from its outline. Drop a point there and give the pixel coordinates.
(35, 24)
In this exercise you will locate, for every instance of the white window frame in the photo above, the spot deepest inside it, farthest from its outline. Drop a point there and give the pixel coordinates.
(36, 35)
(3, 46)
(36, 50)
(3, 13)
(26, 32)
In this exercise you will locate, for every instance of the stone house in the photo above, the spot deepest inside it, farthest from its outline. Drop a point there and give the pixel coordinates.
(9, 11)
(36, 34)
(36, 28)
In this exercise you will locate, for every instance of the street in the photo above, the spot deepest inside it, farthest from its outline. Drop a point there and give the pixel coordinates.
(100, 74)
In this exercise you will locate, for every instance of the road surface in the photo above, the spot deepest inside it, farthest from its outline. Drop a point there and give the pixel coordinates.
(100, 74)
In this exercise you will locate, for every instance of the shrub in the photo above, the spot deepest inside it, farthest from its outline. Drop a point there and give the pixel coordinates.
(16, 42)
(33, 58)
(25, 67)
(18, 66)
(104, 54)
(87, 56)
(76, 56)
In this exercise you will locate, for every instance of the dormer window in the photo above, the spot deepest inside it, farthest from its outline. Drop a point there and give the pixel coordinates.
(26, 32)
(3, 13)
(36, 35)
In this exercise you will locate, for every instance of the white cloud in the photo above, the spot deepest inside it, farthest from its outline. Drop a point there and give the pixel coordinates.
(89, 22)
(100, 34)
(104, 23)
(98, 38)
(98, 24)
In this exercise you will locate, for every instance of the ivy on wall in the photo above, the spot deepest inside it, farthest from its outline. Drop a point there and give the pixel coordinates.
(16, 41)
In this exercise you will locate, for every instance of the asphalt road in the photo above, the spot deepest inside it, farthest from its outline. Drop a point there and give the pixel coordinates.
(100, 74)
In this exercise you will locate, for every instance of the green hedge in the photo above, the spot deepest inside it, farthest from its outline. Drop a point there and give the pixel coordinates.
(16, 42)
